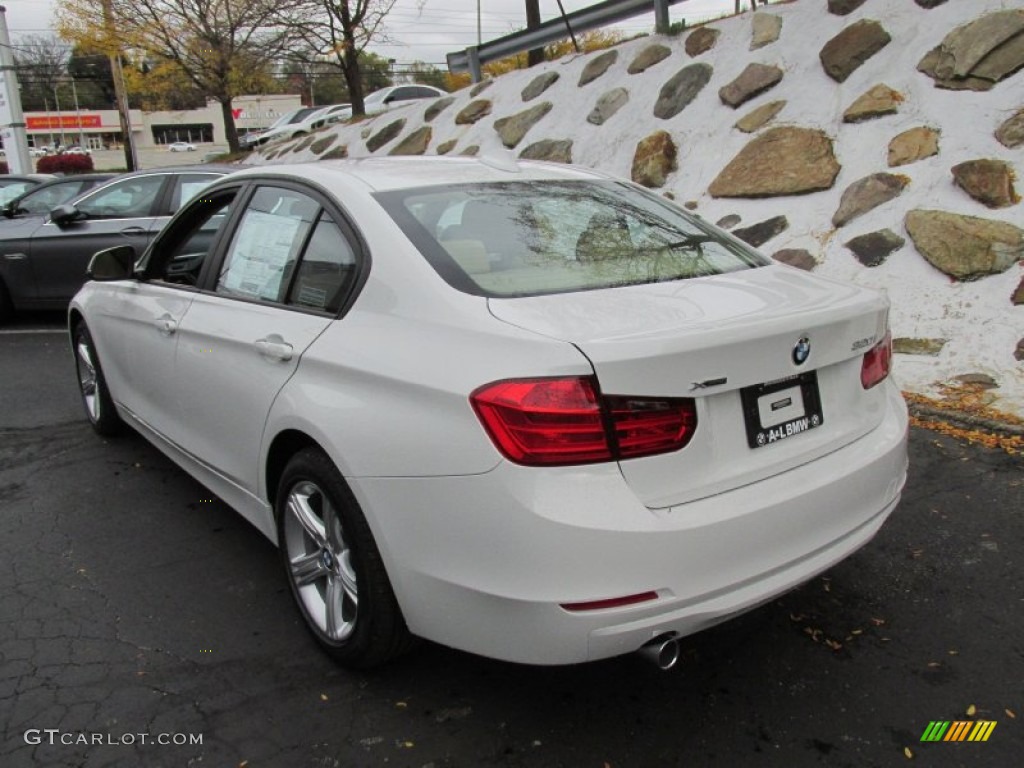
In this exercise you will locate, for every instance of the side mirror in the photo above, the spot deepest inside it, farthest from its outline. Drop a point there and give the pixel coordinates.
(117, 263)
(63, 215)
(8, 210)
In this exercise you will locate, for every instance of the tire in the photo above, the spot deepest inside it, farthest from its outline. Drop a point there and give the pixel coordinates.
(333, 566)
(99, 407)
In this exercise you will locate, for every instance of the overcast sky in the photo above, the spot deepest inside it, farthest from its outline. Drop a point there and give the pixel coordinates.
(441, 27)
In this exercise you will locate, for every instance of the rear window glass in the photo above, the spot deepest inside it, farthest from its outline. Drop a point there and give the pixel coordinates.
(536, 237)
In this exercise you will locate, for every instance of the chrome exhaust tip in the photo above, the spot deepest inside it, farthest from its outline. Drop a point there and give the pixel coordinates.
(662, 651)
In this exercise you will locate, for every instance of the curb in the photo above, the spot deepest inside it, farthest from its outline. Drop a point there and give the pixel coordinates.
(965, 420)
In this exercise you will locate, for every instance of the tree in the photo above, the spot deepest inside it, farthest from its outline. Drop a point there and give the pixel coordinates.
(42, 64)
(428, 74)
(219, 45)
(94, 78)
(341, 30)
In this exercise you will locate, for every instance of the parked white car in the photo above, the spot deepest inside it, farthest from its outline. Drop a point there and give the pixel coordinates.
(393, 96)
(524, 410)
(181, 146)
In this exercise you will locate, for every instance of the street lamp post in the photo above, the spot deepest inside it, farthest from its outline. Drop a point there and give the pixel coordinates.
(60, 120)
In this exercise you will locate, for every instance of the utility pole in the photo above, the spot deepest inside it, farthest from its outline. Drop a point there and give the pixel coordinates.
(130, 159)
(535, 55)
(12, 119)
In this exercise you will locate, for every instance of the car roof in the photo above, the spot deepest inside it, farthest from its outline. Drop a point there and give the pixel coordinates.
(97, 177)
(38, 178)
(198, 167)
(389, 173)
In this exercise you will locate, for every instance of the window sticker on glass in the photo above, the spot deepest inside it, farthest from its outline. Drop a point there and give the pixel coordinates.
(261, 251)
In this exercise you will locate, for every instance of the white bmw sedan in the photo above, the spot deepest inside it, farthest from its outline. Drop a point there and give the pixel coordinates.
(524, 410)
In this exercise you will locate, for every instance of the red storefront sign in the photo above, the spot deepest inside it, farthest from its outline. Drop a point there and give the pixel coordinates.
(51, 122)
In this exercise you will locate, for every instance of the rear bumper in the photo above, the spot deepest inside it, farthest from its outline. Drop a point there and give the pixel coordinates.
(484, 562)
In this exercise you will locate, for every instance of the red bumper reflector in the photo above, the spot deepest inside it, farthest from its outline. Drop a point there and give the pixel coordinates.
(611, 602)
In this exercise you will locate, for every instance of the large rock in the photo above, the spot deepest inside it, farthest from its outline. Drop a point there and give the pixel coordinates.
(648, 57)
(608, 105)
(415, 143)
(681, 89)
(512, 129)
(701, 40)
(1017, 298)
(551, 150)
(964, 247)
(479, 88)
(874, 248)
(756, 118)
(904, 345)
(473, 111)
(800, 258)
(929, 3)
(990, 182)
(337, 153)
(471, 151)
(760, 233)
(752, 81)
(437, 107)
(867, 193)
(780, 161)
(765, 29)
(978, 54)
(1011, 133)
(843, 7)
(913, 145)
(597, 67)
(845, 52)
(321, 144)
(538, 85)
(876, 102)
(1018, 353)
(654, 159)
(446, 146)
(729, 221)
(385, 134)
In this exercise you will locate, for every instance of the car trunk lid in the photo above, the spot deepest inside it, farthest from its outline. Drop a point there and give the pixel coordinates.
(730, 342)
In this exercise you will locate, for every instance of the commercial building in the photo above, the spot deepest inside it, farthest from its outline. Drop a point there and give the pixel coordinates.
(99, 129)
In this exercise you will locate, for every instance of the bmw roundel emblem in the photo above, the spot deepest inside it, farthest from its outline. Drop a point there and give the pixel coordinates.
(802, 350)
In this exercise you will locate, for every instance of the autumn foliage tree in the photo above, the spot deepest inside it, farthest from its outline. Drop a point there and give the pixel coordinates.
(340, 30)
(220, 46)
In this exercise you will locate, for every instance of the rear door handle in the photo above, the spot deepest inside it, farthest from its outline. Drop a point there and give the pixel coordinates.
(167, 325)
(274, 347)
(133, 231)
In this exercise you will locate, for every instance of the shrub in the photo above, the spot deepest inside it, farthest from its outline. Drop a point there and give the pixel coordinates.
(64, 164)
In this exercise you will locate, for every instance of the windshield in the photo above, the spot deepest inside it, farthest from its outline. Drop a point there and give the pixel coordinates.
(536, 237)
(376, 96)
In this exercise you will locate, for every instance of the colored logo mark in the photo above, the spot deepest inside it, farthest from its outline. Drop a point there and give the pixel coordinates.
(958, 730)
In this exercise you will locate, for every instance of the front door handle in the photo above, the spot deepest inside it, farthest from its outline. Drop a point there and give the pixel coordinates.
(274, 348)
(133, 231)
(167, 325)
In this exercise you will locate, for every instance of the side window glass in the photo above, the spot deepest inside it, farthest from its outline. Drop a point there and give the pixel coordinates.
(185, 249)
(266, 246)
(125, 199)
(401, 94)
(326, 270)
(188, 186)
(45, 200)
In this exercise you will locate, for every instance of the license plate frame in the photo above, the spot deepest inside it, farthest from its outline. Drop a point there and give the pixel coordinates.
(756, 399)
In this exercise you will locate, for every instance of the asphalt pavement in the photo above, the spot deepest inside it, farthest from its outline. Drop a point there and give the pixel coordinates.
(135, 608)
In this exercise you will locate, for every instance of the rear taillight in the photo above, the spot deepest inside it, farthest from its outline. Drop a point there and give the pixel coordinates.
(877, 363)
(560, 421)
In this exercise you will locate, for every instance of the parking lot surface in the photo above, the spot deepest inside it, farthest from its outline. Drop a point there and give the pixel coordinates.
(135, 608)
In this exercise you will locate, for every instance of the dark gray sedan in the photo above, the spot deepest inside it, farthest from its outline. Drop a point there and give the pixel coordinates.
(43, 259)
